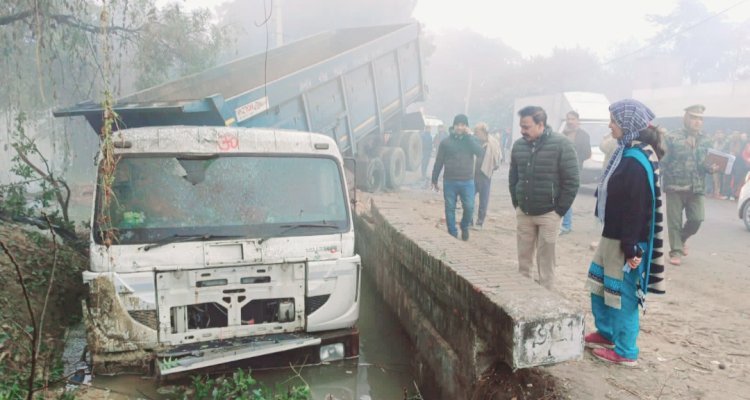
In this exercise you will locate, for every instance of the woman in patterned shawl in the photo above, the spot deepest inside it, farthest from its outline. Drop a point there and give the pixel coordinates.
(629, 261)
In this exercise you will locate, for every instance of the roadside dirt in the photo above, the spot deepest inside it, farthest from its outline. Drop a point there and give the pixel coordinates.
(694, 340)
(34, 253)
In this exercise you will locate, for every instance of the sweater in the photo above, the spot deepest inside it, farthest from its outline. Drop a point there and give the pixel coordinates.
(456, 153)
(628, 213)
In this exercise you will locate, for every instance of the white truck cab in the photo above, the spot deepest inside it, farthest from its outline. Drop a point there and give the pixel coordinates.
(229, 243)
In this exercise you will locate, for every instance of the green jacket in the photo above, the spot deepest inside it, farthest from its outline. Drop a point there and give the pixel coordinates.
(543, 174)
(684, 168)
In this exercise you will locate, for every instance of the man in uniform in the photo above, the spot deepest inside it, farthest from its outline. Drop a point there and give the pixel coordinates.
(684, 169)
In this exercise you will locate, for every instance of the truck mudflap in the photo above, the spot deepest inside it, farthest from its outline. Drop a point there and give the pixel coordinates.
(195, 356)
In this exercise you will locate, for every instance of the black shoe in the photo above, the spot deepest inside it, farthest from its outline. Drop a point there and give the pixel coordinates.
(465, 235)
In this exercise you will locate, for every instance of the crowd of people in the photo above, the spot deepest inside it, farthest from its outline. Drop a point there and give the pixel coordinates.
(646, 168)
(726, 185)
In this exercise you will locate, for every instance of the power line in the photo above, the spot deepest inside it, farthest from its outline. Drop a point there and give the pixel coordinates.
(675, 34)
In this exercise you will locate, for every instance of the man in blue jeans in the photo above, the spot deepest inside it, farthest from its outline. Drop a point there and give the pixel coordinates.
(582, 143)
(456, 154)
(486, 163)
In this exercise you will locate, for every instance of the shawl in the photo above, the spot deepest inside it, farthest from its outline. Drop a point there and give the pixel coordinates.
(653, 275)
(631, 116)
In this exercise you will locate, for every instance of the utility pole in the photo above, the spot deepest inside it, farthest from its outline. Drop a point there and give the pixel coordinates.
(277, 23)
(467, 99)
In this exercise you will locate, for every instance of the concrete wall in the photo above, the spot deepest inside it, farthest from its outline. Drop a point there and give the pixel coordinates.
(462, 311)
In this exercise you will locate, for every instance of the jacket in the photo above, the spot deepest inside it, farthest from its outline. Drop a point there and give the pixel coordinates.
(489, 161)
(543, 174)
(456, 153)
(582, 144)
(683, 165)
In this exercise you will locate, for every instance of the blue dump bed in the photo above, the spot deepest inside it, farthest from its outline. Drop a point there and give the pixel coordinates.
(346, 84)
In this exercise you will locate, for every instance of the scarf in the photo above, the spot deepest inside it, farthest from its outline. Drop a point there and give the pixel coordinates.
(653, 276)
(631, 116)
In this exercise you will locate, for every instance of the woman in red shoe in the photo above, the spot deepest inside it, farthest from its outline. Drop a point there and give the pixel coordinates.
(629, 261)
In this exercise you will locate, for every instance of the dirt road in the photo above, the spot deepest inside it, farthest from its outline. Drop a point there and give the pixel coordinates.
(695, 340)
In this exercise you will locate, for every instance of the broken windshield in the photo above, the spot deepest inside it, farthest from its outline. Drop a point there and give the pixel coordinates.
(162, 196)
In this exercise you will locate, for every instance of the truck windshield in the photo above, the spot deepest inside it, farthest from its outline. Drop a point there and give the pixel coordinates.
(155, 197)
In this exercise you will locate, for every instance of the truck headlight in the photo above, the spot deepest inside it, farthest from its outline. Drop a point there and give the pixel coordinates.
(332, 352)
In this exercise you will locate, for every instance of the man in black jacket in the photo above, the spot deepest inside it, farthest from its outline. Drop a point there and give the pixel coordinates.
(457, 154)
(543, 184)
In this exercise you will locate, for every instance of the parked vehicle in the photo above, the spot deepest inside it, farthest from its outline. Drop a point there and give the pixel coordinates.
(593, 109)
(228, 234)
(743, 202)
(353, 85)
(231, 243)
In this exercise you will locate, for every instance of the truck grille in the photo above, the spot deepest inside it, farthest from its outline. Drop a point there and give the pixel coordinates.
(145, 317)
(315, 302)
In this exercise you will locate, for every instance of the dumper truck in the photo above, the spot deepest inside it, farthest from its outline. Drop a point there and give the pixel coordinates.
(227, 232)
(353, 85)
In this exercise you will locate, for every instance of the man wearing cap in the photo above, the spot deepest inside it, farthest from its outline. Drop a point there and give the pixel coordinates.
(456, 153)
(684, 170)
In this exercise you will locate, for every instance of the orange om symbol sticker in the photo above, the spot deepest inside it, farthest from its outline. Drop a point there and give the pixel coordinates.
(228, 142)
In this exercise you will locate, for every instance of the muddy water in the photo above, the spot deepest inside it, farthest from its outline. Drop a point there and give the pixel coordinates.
(383, 370)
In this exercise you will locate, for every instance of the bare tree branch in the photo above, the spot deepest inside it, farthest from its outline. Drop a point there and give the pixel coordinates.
(9, 19)
(49, 284)
(47, 176)
(67, 19)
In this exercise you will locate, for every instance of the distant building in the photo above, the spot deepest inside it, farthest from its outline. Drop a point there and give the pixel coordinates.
(727, 104)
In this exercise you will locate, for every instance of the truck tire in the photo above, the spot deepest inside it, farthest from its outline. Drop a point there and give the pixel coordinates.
(370, 175)
(395, 167)
(411, 144)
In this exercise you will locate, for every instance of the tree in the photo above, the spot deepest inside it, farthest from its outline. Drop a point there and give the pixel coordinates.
(174, 43)
(704, 41)
(53, 56)
(254, 22)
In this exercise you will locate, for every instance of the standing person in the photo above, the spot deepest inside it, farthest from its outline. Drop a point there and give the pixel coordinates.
(543, 181)
(684, 180)
(739, 168)
(715, 180)
(629, 260)
(426, 137)
(486, 164)
(732, 146)
(582, 143)
(457, 154)
(504, 143)
(441, 135)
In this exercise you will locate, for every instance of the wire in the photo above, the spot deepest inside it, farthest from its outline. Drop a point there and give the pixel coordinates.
(267, 15)
(675, 34)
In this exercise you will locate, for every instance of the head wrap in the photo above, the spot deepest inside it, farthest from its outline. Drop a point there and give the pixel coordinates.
(632, 117)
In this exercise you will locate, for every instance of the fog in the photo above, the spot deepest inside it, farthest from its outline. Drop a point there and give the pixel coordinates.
(476, 58)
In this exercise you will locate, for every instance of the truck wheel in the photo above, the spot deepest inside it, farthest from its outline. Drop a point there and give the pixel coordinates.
(395, 167)
(371, 175)
(411, 144)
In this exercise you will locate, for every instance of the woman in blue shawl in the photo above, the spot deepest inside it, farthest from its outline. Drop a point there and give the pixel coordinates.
(629, 261)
